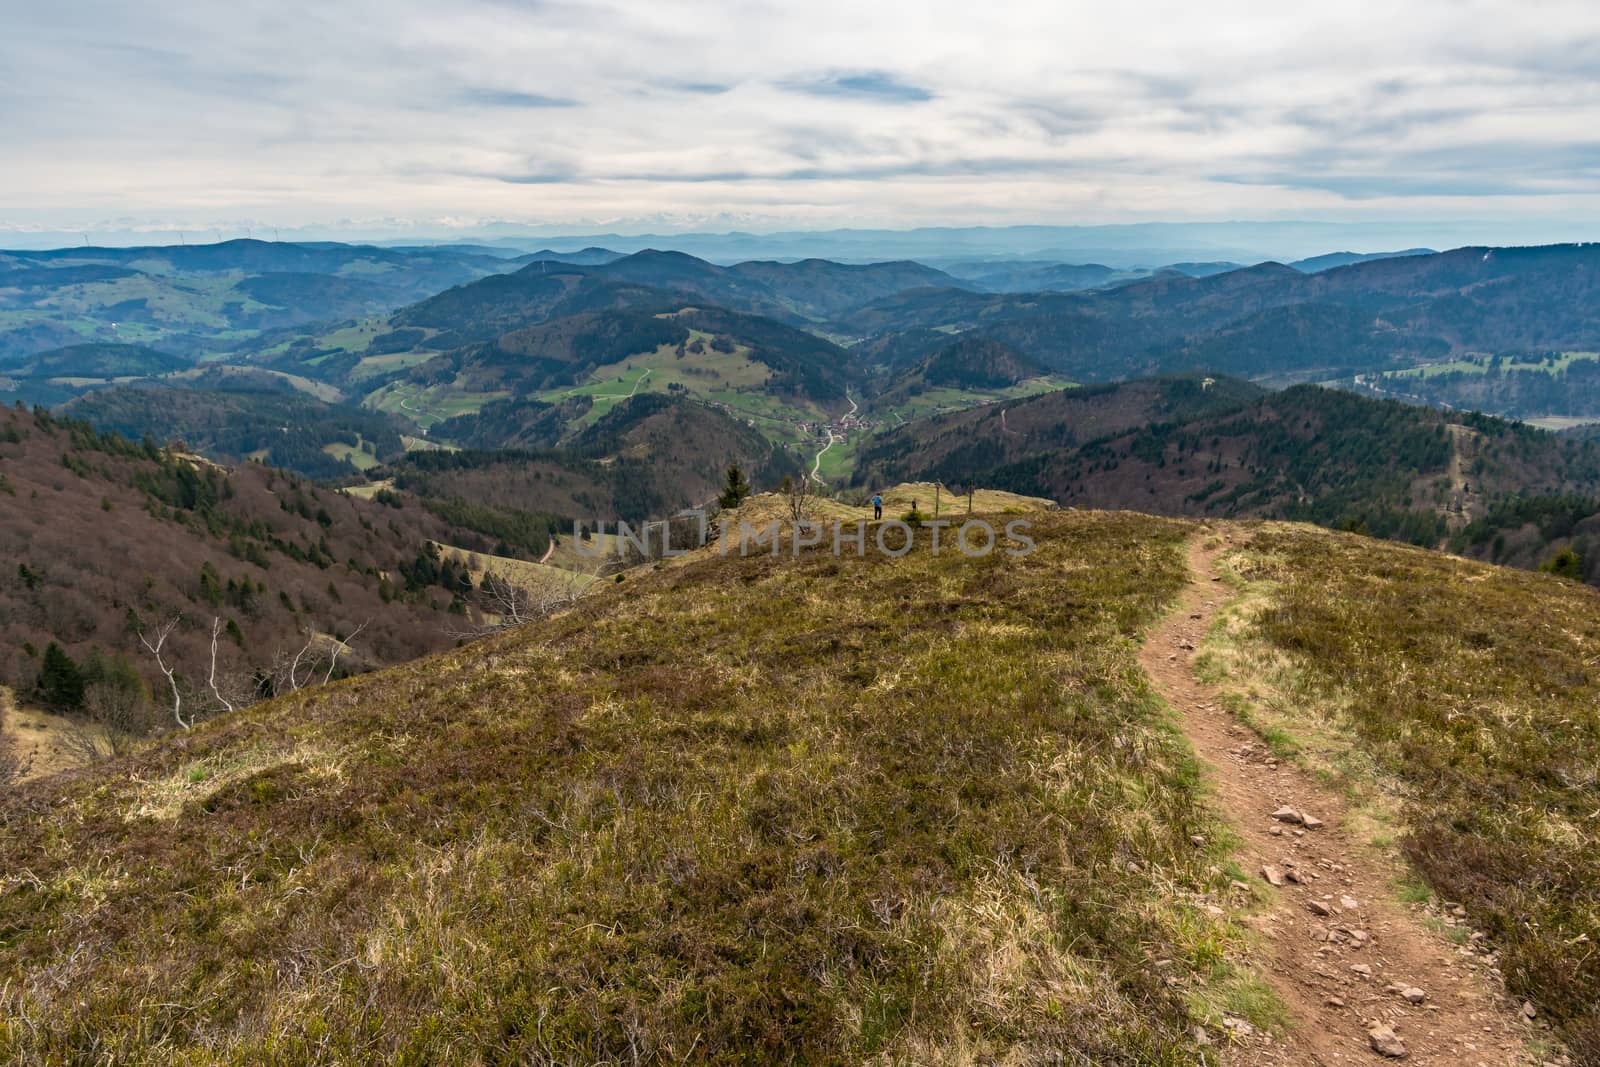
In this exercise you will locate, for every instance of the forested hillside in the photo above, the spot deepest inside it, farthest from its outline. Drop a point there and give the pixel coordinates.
(1272, 320)
(237, 417)
(1216, 446)
(106, 539)
(648, 457)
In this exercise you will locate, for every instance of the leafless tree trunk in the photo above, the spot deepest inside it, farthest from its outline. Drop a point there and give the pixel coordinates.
(286, 676)
(216, 628)
(163, 632)
(339, 646)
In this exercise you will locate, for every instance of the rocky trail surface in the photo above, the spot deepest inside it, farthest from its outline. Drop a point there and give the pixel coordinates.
(1364, 978)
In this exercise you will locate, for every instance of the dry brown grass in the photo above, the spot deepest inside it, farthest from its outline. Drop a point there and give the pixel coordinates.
(763, 810)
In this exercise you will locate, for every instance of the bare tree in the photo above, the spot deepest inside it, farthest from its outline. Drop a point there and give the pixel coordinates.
(163, 632)
(115, 718)
(292, 672)
(216, 628)
(799, 494)
(339, 646)
(286, 666)
(505, 605)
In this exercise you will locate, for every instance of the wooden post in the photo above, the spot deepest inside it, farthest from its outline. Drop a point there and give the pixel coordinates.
(936, 500)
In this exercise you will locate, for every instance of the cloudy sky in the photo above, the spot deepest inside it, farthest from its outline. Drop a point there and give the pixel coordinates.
(745, 114)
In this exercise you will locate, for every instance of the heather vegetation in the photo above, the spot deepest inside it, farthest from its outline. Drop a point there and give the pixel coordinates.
(764, 809)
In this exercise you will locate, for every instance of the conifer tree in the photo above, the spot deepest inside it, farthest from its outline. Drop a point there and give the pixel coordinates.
(734, 490)
(60, 680)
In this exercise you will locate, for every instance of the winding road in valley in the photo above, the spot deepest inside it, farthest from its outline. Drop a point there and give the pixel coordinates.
(816, 464)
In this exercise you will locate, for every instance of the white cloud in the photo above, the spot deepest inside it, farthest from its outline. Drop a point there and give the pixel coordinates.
(781, 114)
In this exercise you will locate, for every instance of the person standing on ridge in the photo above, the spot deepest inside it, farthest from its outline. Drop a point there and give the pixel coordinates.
(877, 506)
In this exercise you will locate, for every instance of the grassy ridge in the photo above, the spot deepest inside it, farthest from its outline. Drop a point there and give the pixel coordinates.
(1476, 689)
(754, 810)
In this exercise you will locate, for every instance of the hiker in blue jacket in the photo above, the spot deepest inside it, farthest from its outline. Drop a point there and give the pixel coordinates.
(877, 506)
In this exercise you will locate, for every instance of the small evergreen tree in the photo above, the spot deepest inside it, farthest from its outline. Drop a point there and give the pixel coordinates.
(114, 672)
(60, 681)
(1565, 564)
(210, 586)
(734, 490)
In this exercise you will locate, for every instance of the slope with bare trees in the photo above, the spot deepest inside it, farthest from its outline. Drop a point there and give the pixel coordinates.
(135, 572)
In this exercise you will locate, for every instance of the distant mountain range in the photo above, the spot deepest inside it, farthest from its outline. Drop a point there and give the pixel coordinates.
(1136, 246)
(1129, 245)
(201, 300)
(1273, 321)
(532, 351)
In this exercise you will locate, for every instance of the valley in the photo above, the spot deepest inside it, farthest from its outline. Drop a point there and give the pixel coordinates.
(956, 807)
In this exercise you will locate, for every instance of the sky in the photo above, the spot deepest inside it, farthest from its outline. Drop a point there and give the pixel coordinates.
(441, 117)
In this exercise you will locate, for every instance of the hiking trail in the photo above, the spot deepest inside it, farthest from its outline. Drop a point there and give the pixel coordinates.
(1355, 966)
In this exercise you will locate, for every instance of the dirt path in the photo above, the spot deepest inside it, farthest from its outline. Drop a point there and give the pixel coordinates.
(1335, 912)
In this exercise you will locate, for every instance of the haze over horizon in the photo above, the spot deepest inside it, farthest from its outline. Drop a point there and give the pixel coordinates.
(365, 121)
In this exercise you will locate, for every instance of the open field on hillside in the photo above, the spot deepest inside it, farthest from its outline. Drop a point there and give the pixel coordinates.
(321, 390)
(772, 810)
(1480, 364)
(520, 572)
(355, 455)
(760, 510)
(427, 405)
(1562, 422)
(897, 500)
(39, 737)
(355, 336)
(422, 444)
(730, 379)
(939, 400)
(370, 490)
